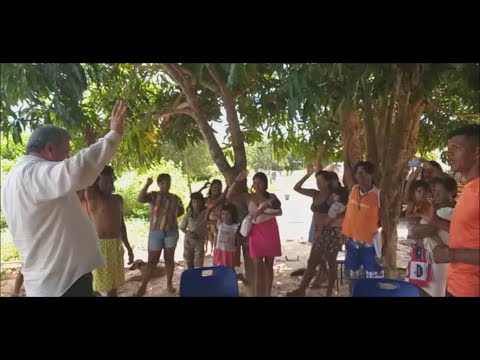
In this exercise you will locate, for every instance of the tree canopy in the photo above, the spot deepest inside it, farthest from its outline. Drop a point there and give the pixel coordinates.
(297, 106)
(381, 112)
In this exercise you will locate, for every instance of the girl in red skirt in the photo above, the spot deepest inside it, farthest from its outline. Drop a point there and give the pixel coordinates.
(225, 248)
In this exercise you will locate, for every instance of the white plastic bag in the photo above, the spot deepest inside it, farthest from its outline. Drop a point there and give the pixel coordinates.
(246, 226)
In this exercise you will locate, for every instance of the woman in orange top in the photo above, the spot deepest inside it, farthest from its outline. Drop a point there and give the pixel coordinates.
(360, 225)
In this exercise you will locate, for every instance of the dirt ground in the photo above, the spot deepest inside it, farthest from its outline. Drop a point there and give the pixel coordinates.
(295, 255)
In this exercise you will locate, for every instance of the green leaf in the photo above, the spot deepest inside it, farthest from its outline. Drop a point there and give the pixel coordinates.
(17, 130)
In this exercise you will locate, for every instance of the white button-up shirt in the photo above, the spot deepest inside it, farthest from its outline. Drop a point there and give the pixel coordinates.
(56, 240)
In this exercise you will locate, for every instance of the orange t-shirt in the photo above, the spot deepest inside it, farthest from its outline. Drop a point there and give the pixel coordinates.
(464, 279)
(361, 217)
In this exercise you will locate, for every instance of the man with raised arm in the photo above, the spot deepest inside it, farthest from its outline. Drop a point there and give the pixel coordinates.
(56, 240)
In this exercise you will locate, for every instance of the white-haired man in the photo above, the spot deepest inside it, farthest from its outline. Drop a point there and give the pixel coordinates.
(56, 240)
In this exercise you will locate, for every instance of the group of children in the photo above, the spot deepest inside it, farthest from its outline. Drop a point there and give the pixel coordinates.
(202, 224)
(422, 270)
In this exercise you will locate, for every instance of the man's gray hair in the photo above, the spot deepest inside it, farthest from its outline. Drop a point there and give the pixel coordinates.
(46, 134)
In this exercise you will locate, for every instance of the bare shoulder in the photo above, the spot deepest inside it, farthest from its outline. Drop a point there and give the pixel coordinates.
(245, 197)
(176, 197)
(273, 196)
(92, 190)
(118, 199)
(152, 196)
(275, 201)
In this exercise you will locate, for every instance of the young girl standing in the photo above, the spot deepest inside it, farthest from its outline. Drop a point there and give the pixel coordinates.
(225, 248)
(194, 226)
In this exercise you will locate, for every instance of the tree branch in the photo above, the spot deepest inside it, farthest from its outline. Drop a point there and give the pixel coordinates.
(186, 84)
(410, 143)
(372, 153)
(439, 107)
(176, 108)
(188, 75)
(388, 125)
(350, 129)
(177, 100)
(188, 87)
(185, 71)
(175, 74)
(212, 87)
(176, 112)
(232, 119)
(409, 112)
(213, 146)
(381, 120)
(320, 157)
(236, 97)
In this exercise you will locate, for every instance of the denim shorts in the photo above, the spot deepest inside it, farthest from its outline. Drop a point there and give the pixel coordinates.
(159, 240)
(310, 233)
(361, 260)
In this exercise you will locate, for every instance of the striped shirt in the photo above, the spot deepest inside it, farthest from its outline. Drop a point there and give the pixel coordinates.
(164, 210)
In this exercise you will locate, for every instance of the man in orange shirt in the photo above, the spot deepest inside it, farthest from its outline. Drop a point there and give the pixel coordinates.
(463, 252)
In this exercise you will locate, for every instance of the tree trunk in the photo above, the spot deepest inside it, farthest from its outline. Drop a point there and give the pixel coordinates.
(350, 129)
(400, 137)
(370, 133)
(187, 82)
(390, 212)
(187, 171)
(229, 104)
(319, 163)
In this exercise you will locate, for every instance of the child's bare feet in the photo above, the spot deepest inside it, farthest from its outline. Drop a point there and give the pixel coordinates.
(331, 292)
(296, 293)
(319, 280)
(142, 290)
(242, 278)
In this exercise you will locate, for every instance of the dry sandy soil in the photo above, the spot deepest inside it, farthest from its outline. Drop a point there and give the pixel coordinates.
(295, 255)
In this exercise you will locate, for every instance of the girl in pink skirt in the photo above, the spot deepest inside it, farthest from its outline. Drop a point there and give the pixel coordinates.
(225, 248)
(264, 237)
